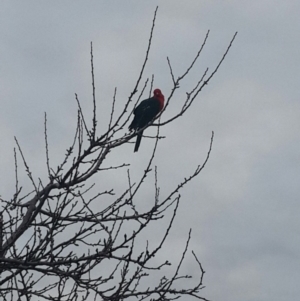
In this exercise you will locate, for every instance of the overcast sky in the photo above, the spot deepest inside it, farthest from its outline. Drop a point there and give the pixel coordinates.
(244, 207)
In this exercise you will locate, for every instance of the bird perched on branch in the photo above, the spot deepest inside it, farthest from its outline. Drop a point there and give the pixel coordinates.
(145, 112)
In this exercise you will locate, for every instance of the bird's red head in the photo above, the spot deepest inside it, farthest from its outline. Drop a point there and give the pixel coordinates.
(157, 94)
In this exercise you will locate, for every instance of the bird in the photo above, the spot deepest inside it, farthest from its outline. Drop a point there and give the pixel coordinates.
(145, 112)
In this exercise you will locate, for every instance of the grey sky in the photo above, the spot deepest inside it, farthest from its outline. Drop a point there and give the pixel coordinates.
(244, 208)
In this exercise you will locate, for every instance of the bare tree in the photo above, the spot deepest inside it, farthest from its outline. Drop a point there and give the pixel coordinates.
(59, 242)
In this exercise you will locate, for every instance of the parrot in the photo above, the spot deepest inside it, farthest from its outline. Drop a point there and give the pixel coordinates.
(145, 112)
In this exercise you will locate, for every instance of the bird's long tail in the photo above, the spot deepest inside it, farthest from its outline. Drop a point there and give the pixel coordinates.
(138, 141)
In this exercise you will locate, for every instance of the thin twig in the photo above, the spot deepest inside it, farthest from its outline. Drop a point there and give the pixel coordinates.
(82, 117)
(29, 174)
(94, 96)
(46, 145)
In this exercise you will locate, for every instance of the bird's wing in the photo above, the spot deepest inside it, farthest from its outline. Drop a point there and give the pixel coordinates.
(150, 105)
